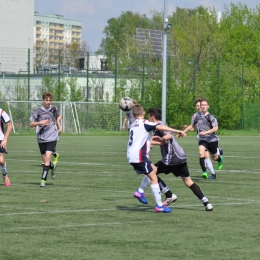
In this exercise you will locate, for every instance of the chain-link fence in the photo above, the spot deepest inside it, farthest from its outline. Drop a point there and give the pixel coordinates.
(77, 117)
(229, 85)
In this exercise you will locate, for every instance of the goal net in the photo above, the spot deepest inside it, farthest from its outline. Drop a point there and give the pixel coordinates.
(77, 117)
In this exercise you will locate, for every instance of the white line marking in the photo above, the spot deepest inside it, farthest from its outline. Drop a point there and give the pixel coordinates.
(77, 225)
(126, 208)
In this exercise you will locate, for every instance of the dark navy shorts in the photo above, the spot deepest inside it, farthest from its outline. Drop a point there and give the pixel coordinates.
(47, 147)
(143, 167)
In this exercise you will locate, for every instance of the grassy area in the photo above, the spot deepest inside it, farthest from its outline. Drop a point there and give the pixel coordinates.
(90, 212)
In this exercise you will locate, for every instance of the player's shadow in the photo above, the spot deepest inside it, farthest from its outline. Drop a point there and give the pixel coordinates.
(38, 184)
(136, 208)
(149, 208)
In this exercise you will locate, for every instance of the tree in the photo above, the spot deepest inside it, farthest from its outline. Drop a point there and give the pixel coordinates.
(41, 50)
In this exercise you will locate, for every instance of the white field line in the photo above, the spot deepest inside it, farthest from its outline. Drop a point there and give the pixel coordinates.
(77, 225)
(126, 208)
(123, 165)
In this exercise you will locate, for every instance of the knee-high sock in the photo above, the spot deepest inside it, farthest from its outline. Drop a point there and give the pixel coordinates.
(198, 192)
(157, 194)
(145, 182)
(4, 171)
(209, 165)
(164, 188)
(45, 171)
(202, 164)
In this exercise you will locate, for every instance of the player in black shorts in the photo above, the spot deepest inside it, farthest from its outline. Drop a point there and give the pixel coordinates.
(46, 119)
(173, 161)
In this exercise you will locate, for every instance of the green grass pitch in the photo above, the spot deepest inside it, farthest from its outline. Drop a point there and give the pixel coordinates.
(91, 213)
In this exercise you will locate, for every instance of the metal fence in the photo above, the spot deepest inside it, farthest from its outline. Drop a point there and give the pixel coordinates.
(230, 85)
(77, 117)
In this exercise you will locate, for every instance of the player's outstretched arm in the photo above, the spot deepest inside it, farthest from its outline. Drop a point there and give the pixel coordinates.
(169, 129)
(188, 128)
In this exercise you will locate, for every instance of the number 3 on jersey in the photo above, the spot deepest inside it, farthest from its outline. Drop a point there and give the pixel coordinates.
(130, 138)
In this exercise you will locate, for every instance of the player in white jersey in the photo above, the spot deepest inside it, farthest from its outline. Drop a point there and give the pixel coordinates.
(173, 160)
(207, 126)
(138, 154)
(207, 160)
(45, 119)
(5, 120)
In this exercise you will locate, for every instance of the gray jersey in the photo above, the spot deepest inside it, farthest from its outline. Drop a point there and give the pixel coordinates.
(203, 124)
(172, 153)
(130, 118)
(47, 133)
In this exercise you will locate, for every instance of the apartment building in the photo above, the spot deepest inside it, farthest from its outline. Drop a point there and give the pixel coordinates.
(53, 33)
(16, 30)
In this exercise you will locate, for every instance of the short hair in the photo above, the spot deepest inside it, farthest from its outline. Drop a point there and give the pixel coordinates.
(135, 102)
(137, 110)
(47, 95)
(204, 99)
(156, 112)
(197, 100)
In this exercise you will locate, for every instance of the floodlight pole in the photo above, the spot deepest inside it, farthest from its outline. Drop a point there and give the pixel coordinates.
(165, 28)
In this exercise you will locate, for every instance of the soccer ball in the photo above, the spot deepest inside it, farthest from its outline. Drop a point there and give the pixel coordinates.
(126, 104)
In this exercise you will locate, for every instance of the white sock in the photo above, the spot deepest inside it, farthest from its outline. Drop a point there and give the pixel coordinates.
(145, 182)
(157, 194)
(218, 152)
(204, 199)
(209, 165)
(3, 168)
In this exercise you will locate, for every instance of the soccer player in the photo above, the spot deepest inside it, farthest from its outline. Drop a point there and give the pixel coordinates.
(173, 161)
(5, 119)
(45, 119)
(129, 118)
(138, 153)
(207, 125)
(207, 160)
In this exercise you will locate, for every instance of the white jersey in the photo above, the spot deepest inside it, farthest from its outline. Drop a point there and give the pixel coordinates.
(4, 120)
(139, 141)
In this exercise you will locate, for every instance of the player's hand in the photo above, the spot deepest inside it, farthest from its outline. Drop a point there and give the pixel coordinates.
(202, 133)
(45, 122)
(3, 145)
(181, 134)
(156, 138)
(184, 127)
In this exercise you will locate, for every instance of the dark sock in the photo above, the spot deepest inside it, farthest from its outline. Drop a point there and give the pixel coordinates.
(202, 164)
(219, 159)
(197, 191)
(45, 171)
(164, 188)
(54, 154)
(51, 165)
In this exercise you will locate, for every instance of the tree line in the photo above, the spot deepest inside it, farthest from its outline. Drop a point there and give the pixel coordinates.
(215, 59)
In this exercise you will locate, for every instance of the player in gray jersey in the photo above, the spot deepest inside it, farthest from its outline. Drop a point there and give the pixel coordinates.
(207, 160)
(129, 118)
(207, 126)
(45, 119)
(173, 160)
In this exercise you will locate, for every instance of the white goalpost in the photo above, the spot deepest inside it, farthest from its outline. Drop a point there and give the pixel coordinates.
(77, 117)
